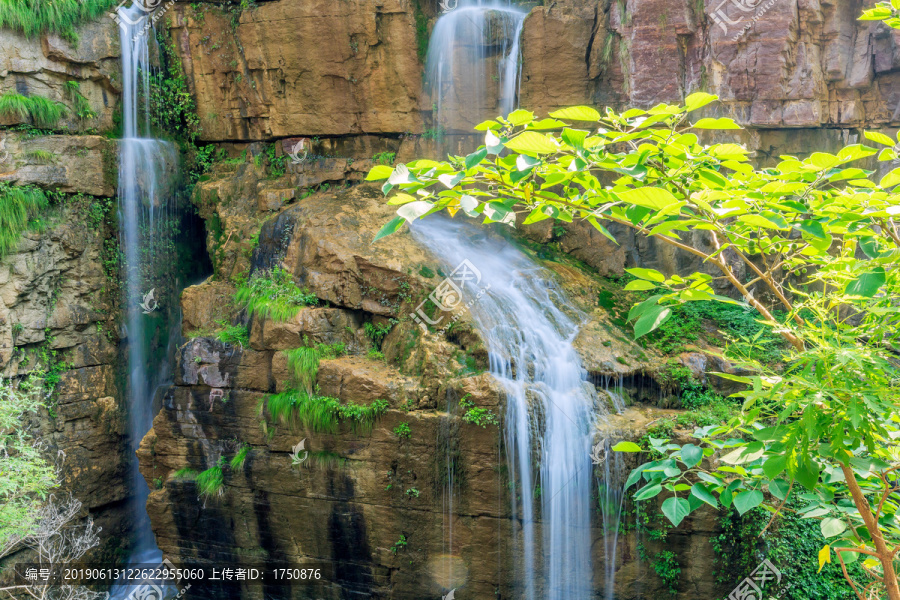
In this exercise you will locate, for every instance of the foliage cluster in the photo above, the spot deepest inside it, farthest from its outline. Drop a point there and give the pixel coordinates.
(26, 477)
(477, 416)
(33, 17)
(273, 295)
(42, 112)
(18, 206)
(817, 236)
(322, 414)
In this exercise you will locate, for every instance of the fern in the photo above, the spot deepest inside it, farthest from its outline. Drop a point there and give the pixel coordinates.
(18, 205)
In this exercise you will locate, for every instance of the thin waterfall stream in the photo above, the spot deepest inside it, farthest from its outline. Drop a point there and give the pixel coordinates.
(465, 43)
(549, 425)
(147, 217)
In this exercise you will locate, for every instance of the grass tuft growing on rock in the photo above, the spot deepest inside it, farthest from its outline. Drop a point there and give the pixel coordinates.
(18, 205)
(33, 17)
(44, 113)
(211, 482)
(274, 295)
(323, 414)
(304, 362)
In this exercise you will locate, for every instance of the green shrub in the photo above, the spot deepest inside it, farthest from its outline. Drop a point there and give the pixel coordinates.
(384, 158)
(791, 543)
(233, 334)
(304, 362)
(273, 295)
(477, 416)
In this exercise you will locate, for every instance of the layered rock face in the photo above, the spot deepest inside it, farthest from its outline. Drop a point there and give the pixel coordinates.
(58, 290)
(57, 69)
(376, 510)
(780, 65)
(57, 314)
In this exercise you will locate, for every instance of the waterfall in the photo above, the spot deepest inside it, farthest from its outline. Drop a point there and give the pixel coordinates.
(146, 215)
(529, 327)
(465, 40)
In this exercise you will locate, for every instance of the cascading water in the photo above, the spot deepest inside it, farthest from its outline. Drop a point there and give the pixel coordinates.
(551, 408)
(146, 215)
(465, 40)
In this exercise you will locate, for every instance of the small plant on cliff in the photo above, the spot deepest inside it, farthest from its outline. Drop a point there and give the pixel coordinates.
(477, 416)
(211, 482)
(43, 113)
(384, 158)
(238, 461)
(399, 544)
(403, 431)
(273, 295)
(18, 206)
(321, 413)
(33, 17)
(816, 235)
(304, 362)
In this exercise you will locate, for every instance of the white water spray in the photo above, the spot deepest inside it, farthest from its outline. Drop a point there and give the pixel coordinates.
(529, 327)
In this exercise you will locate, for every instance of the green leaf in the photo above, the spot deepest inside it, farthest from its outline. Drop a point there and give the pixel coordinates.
(701, 492)
(414, 210)
(698, 100)
(779, 488)
(634, 477)
(807, 473)
(532, 142)
(577, 113)
(775, 465)
(648, 274)
(748, 500)
(379, 172)
(627, 447)
(391, 226)
(867, 284)
(891, 179)
(720, 123)
(639, 309)
(639, 285)
(476, 157)
(574, 137)
(691, 455)
(651, 320)
(649, 197)
(676, 509)
(520, 117)
(648, 491)
(832, 527)
(879, 138)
